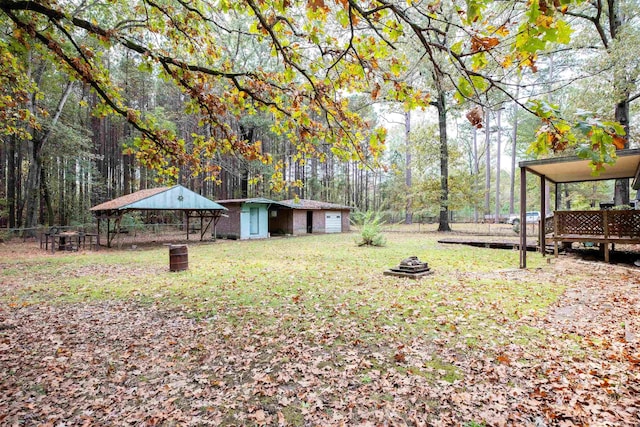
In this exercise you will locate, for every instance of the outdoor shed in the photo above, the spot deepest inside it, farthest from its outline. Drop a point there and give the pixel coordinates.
(176, 198)
(305, 216)
(246, 218)
(604, 227)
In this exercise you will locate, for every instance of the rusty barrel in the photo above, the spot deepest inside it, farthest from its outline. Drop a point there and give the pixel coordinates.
(178, 258)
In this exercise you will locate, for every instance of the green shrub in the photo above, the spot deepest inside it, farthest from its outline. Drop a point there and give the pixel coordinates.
(621, 207)
(370, 224)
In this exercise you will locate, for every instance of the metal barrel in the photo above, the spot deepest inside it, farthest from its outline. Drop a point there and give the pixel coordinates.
(178, 258)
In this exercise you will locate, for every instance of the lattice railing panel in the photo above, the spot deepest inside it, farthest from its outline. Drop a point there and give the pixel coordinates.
(548, 225)
(624, 223)
(580, 222)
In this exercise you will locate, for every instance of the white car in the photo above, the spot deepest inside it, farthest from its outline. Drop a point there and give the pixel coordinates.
(532, 218)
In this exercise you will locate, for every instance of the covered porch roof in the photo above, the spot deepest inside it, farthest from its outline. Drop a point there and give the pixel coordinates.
(574, 169)
(570, 169)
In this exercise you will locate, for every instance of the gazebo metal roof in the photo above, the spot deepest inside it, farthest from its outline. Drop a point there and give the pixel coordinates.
(176, 198)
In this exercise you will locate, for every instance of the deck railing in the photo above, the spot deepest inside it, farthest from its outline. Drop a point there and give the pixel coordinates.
(605, 223)
(605, 227)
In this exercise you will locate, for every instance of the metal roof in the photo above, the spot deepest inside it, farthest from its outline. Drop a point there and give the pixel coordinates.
(291, 203)
(313, 204)
(575, 169)
(248, 200)
(253, 200)
(162, 198)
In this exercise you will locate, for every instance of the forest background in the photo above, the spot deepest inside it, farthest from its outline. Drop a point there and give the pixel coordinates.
(416, 109)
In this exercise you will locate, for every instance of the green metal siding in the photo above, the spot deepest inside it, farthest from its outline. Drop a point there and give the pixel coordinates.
(260, 229)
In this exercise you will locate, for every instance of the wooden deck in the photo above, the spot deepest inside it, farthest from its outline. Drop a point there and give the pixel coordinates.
(487, 244)
(605, 227)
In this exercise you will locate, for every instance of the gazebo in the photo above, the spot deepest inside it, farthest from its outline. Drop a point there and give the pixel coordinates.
(604, 227)
(176, 198)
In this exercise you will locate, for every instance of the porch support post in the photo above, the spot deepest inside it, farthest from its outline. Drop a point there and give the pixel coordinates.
(605, 226)
(543, 213)
(523, 218)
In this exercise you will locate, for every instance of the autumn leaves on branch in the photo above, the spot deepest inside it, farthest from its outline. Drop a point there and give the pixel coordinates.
(295, 62)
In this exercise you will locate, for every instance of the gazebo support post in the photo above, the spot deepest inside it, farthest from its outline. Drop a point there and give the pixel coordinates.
(187, 213)
(216, 218)
(117, 225)
(203, 227)
(109, 231)
(97, 232)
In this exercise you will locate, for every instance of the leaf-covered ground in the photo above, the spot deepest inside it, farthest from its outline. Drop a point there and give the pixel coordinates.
(307, 331)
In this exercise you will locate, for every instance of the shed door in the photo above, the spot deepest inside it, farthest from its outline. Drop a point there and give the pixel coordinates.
(254, 221)
(309, 221)
(333, 222)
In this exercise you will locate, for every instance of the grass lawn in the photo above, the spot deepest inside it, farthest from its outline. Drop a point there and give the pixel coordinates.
(308, 331)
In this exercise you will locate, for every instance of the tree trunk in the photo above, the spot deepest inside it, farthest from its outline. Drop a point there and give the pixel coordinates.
(46, 198)
(127, 184)
(443, 224)
(143, 178)
(366, 190)
(620, 83)
(12, 178)
(313, 194)
(408, 218)
(621, 195)
(3, 169)
(498, 149)
(487, 153)
(475, 171)
(33, 185)
(19, 186)
(33, 177)
(514, 140)
(347, 180)
(246, 134)
(62, 206)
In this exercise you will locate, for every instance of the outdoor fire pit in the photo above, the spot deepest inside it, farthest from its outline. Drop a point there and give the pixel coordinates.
(410, 267)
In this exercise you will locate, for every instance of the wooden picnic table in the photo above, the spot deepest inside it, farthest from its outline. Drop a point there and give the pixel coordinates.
(70, 240)
(66, 240)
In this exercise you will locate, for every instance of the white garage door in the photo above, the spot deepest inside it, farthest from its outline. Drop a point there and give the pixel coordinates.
(333, 222)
